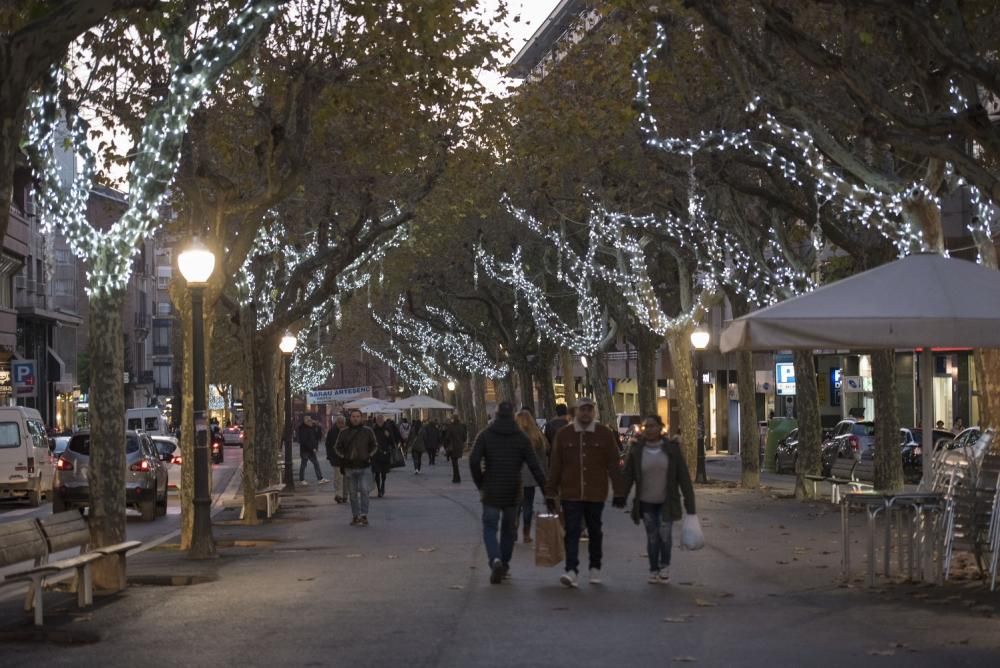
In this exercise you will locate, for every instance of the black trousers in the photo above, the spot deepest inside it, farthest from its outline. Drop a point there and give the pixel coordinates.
(455, 475)
(431, 455)
(380, 477)
(417, 459)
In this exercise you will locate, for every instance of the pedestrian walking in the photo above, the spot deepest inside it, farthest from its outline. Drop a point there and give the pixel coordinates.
(655, 466)
(432, 441)
(553, 426)
(404, 431)
(583, 459)
(456, 437)
(339, 492)
(356, 446)
(526, 423)
(309, 437)
(500, 452)
(382, 460)
(417, 447)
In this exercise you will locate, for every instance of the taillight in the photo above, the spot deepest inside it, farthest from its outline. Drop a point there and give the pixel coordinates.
(176, 459)
(855, 443)
(140, 466)
(31, 465)
(63, 464)
(918, 451)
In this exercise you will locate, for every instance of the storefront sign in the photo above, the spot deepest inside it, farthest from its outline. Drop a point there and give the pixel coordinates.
(6, 390)
(339, 395)
(765, 382)
(835, 386)
(784, 375)
(25, 378)
(857, 384)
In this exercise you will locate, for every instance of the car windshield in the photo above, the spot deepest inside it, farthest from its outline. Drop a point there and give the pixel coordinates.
(131, 444)
(10, 435)
(164, 447)
(80, 444)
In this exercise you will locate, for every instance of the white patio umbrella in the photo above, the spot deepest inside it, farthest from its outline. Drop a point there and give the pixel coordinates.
(363, 402)
(921, 301)
(422, 401)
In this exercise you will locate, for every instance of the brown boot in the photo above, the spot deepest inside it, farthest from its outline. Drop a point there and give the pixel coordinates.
(527, 536)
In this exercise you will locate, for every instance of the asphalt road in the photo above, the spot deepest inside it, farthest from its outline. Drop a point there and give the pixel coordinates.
(412, 589)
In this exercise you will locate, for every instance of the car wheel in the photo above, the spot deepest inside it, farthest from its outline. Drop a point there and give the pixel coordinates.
(161, 504)
(148, 509)
(58, 504)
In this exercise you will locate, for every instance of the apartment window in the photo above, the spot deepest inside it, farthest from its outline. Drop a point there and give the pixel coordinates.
(63, 287)
(161, 377)
(164, 308)
(63, 256)
(163, 276)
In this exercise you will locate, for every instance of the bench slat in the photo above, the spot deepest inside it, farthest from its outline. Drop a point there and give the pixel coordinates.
(65, 530)
(21, 541)
(118, 547)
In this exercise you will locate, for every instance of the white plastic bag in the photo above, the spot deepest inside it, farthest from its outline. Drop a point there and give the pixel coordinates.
(692, 537)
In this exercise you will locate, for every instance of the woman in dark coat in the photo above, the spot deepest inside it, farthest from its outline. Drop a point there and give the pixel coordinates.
(382, 460)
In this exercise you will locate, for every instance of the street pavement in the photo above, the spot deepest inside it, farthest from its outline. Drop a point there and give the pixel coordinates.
(412, 589)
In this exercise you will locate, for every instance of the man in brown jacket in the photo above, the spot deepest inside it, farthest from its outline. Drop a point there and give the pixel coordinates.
(584, 457)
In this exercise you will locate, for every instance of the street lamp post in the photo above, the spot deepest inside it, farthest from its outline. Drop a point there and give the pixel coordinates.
(699, 340)
(287, 347)
(196, 264)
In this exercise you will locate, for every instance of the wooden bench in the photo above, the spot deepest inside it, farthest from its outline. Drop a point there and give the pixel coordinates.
(65, 531)
(840, 474)
(272, 500)
(23, 541)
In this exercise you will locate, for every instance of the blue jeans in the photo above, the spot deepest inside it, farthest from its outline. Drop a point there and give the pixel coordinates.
(527, 508)
(577, 513)
(495, 518)
(358, 484)
(658, 535)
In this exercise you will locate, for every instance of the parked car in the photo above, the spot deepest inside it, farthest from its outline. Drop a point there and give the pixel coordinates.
(912, 450)
(851, 438)
(170, 454)
(149, 420)
(233, 435)
(25, 465)
(628, 425)
(145, 476)
(786, 455)
(59, 444)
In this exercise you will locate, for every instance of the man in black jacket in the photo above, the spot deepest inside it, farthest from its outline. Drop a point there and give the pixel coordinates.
(310, 434)
(339, 425)
(500, 452)
(553, 426)
(356, 446)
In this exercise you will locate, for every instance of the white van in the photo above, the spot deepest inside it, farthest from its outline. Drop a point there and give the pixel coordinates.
(25, 457)
(149, 420)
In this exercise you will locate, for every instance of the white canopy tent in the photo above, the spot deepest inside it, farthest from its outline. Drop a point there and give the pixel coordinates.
(363, 402)
(921, 301)
(381, 408)
(422, 401)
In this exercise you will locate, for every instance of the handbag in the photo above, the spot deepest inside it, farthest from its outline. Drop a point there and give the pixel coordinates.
(550, 548)
(692, 537)
(396, 458)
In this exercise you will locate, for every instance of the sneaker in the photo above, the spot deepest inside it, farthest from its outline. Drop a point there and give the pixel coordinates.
(568, 579)
(654, 578)
(364, 520)
(339, 499)
(506, 571)
(356, 521)
(322, 481)
(496, 572)
(595, 576)
(664, 576)
(303, 483)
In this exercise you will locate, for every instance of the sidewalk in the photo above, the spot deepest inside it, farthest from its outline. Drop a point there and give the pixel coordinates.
(308, 590)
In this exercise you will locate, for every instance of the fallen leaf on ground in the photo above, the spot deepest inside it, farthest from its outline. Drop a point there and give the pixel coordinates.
(353, 556)
(306, 579)
(684, 659)
(456, 587)
(752, 549)
(393, 556)
(702, 603)
(726, 594)
(782, 563)
(881, 652)
(426, 549)
(677, 620)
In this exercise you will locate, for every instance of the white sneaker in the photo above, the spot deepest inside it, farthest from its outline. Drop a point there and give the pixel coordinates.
(303, 483)
(664, 576)
(654, 578)
(568, 579)
(323, 481)
(595, 576)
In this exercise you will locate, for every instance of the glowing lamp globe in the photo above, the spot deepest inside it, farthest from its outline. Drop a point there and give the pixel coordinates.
(451, 386)
(288, 343)
(196, 262)
(700, 338)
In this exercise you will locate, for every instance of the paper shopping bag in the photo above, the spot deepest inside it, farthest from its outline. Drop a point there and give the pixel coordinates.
(550, 550)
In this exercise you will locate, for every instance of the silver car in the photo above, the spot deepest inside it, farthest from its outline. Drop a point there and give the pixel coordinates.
(145, 476)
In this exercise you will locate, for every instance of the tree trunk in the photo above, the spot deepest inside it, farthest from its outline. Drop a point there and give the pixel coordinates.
(543, 381)
(526, 387)
(182, 303)
(647, 345)
(810, 427)
(107, 436)
(465, 405)
(749, 440)
(478, 417)
(888, 464)
(679, 345)
(248, 322)
(505, 389)
(266, 385)
(602, 393)
(569, 379)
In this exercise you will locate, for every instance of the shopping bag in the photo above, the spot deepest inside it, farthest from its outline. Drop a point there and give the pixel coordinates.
(692, 537)
(550, 550)
(396, 458)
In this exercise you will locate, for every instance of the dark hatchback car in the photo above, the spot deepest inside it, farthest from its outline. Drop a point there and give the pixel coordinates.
(913, 450)
(787, 452)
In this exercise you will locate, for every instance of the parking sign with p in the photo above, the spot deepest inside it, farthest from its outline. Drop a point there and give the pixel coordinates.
(23, 377)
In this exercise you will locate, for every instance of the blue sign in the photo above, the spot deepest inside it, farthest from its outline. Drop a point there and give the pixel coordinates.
(23, 378)
(835, 384)
(784, 378)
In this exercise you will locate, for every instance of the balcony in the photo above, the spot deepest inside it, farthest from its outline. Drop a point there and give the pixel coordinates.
(143, 322)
